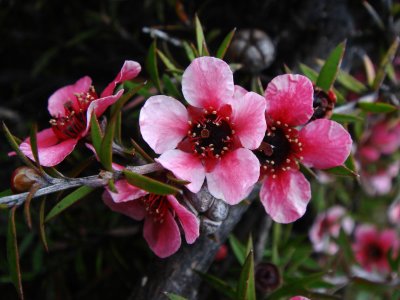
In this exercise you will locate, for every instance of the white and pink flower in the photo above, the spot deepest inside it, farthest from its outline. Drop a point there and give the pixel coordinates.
(161, 215)
(327, 226)
(371, 247)
(320, 144)
(212, 137)
(71, 108)
(394, 212)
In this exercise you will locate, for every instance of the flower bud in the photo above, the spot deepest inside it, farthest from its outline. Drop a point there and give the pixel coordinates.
(221, 253)
(323, 103)
(23, 178)
(267, 277)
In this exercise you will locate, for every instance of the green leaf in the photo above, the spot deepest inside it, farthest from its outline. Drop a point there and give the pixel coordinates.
(140, 150)
(189, 51)
(238, 249)
(376, 107)
(218, 284)
(168, 63)
(342, 171)
(14, 145)
(343, 118)
(345, 245)
(171, 88)
(42, 230)
(149, 184)
(351, 83)
(96, 134)
(107, 144)
(34, 146)
(5, 193)
(27, 204)
(172, 296)
(152, 66)
(329, 70)
(225, 44)
(67, 201)
(117, 107)
(387, 59)
(245, 288)
(308, 72)
(199, 36)
(12, 254)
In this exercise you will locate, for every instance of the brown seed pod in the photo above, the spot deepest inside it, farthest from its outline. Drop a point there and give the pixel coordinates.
(23, 178)
(323, 103)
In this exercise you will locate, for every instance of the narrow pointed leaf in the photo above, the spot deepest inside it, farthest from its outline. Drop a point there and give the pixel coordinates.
(172, 296)
(34, 146)
(238, 249)
(376, 107)
(199, 35)
(189, 51)
(218, 284)
(374, 14)
(67, 201)
(149, 184)
(27, 204)
(152, 66)
(246, 279)
(308, 72)
(342, 118)
(168, 63)
(342, 171)
(351, 83)
(171, 88)
(13, 255)
(329, 70)
(95, 133)
(225, 44)
(42, 230)
(140, 150)
(117, 107)
(369, 70)
(106, 145)
(387, 59)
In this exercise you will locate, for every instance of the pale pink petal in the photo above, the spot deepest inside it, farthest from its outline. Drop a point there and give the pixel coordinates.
(65, 94)
(129, 70)
(99, 106)
(285, 197)
(184, 166)
(239, 92)
(234, 177)
(326, 144)
(299, 298)
(164, 239)
(51, 151)
(133, 209)
(290, 99)
(248, 117)
(163, 123)
(394, 212)
(126, 192)
(208, 81)
(190, 223)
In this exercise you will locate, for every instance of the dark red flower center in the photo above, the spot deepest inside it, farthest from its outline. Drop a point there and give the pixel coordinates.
(156, 207)
(279, 149)
(323, 103)
(73, 123)
(211, 134)
(374, 252)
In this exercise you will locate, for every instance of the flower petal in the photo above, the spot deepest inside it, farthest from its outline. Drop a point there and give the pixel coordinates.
(290, 99)
(208, 81)
(129, 70)
(163, 123)
(185, 166)
(65, 94)
(239, 92)
(133, 209)
(249, 119)
(285, 197)
(164, 239)
(126, 192)
(190, 223)
(234, 177)
(51, 151)
(326, 144)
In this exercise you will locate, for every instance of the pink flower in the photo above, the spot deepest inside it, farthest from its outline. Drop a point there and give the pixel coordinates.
(299, 298)
(371, 247)
(327, 226)
(161, 215)
(320, 144)
(394, 212)
(211, 139)
(71, 108)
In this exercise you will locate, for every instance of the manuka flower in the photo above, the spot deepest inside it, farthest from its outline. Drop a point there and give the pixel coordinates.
(371, 247)
(327, 226)
(393, 212)
(71, 108)
(161, 215)
(213, 136)
(320, 144)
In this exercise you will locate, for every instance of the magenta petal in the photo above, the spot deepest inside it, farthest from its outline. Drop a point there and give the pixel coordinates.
(51, 151)
(285, 197)
(129, 70)
(234, 176)
(208, 81)
(164, 239)
(65, 94)
(185, 166)
(133, 209)
(190, 223)
(326, 144)
(249, 119)
(290, 99)
(163, 123)
(126, 192)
